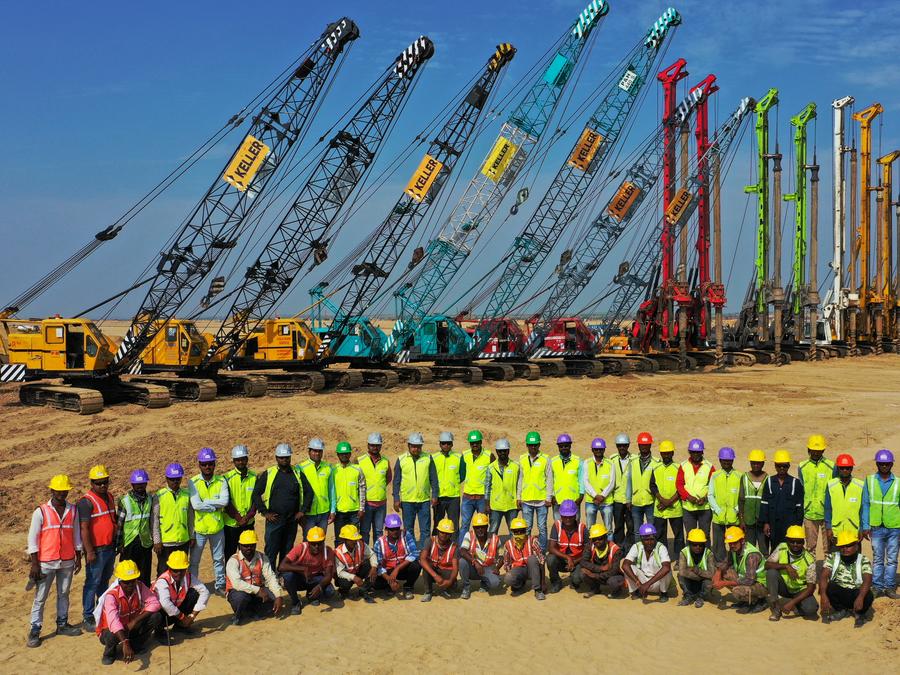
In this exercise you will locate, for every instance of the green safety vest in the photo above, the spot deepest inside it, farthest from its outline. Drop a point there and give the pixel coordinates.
(815, 479)
(565, 478)
(697, 484)
(600, 476)
(173, 515)
(376, 477)
(346, 487)
(534, 477)
(884, 510)
(834, 563)
(741, 565)
(208, 522)
(705, 559)
(415, 481)
(476, 472)
(318, 480)
(845, 505)
(640, 481)
(752, 499)
(801, 564)
(665, 477)
(270, 482)
(622, 478)
(728, 489)
(137, 520)
(447, 467)
(240, 492)
(640, 554)
(504, 481)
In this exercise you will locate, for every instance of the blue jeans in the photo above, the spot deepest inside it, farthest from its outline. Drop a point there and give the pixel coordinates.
(320, 520)
(528, 513)
(422, 511)
(498, 517)
(639, 516)
(606, 511)
(467, 509)
(96, 578)
(373, 521)
(217, 549)
(885, 543)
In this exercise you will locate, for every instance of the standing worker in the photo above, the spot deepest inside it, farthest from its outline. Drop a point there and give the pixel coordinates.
(647, 567)
(815, 474)
(524, 560)
(791, 574)
(133, 530)
(693, 487)
(749, 499)
(181, 596)
(97, 520)
(598, 483)
(504, 488)
(320, 478)
(567, 472)
(843, 502)
(398, 559)
(54, 546)
(128, 615)
(476, 464)
(377, 471)
(696, 567)
(601, 564)
(239, 512)
(309, 566)
(568, 539)
(209, 497)
(355, 564)
(881, 523)
(744, 572)
(450, 471)
(724, 493)
(782, 501)
(667, 509)
(439, 561)
(638, 494)
(349, 484)
(622, 535)
(479, 557)
(252, 589)
(415, 486)
(845, 583)
(537, 487)
(171, 518)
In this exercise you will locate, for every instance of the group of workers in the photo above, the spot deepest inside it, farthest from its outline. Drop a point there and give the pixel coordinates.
(751, 536)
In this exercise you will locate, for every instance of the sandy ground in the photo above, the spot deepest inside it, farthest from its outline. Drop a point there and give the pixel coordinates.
(853, 402)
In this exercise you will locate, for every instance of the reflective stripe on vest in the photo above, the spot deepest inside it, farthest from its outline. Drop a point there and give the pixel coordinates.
(741, 565)
(884, 510)
(415, 478)
(346, 488)
(801, 564)
(240, 492)
(600, 476)
(846, 505)
(656, 556)
(208, 522)
(696, 483)
(128, 607)
(173, 515)
(476, 472)
(447, 468)
(623, 475)
(815, 483)
(485, 555)
(318, 479)
(252, 576)
(137, 520)
(57, 540)
(390, 558)
(728, 488)
(441, 560)
(102, 524)
(705, 559)
(571, 544)
(666, 477)
(270, 482)
(176, 594)
(515, 557)
(376, 478)
(504, 482)
(352, 560)
(752, 499)
(606, 561)
(640, 481)
(534, 477)
(565, 478)
(835, 562)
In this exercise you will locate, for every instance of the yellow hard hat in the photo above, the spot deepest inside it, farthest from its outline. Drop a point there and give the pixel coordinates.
(248, 537)
(816, 442)
(757, 456)
(698, 536)
(667, 446)
(518, 524)
(98, 472)
(60, 482)
(315, 534)
(846, 538)
(350, 532)
(795, 532)
(733, 534)
(178, 560)
(480, 519)
(446, 525)
(782, 457)
(598, 530)
(127, 570)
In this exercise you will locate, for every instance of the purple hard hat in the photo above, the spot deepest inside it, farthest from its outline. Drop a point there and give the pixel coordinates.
(174, 470)
(726, 453)
(647, 530)
(696, 445)
(884, 457)
(392, 522)
(206, 455)
(568, 508)
(139, 476)
(563, 438)
(598, 444)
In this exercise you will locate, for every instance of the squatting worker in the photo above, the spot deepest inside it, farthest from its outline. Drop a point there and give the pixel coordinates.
(133, 528)
(377, 471)
(696, 567)
(398, 559)
(479, 557)
(439, 561)
(791, 574)
(97, 520)
(568, 539)
(309, 566)
(743, 572)
(127, 614)
(209, 497)
(782, 501)
(647, 567)
(537, 486)
(181, 596)
(356, 564)
(601, 564)
(239, 512)
(171, 518)
(845, 584)
(252, 589)
(524, 560)
(449, 471)
(504, 487)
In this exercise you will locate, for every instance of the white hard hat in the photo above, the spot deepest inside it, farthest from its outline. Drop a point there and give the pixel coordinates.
(283, 450)
(415, 438)
(501, 444)
(374, 438)
(446, 437)
(622, 439)
(316, 444)
(239, 451)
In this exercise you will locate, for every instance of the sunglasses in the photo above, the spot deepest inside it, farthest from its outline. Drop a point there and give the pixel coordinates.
(782, 466)
(104, 481)
(207, 463)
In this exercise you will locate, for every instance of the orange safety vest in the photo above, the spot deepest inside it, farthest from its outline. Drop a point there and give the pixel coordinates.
(440, 560)
(128, 607)
(515, 557)
(493, 544)
(611, 551)
(252, 576)
(57, 540)
(392, 558)
(102, 524)
(571, 544)
(351, 559)
(313, 564)
(177, 595)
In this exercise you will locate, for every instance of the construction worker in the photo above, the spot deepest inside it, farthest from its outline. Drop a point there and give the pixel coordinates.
(647, 567)
(128, 613)
(450, 472)
(524, 560)
(439, 561)
(622, 535)
(398, 559)
(282, 495)
(503, 488)
(377, 472)
(181, 596)
(134, 533)
(724, 493)
(791, 574)
(349, 484)
(815, 474)
(537, 487)
(320, 477)
(240, 513)
(598, 483)
(355, 564)
(476, 464)
(843, 502)
(309, 566)
(479, 557)
(693, 486)
(568, 539)
(750, 498)
(881, 523)
(415, 487)
(252, 589)
(568, 471)
(54, 546)
(845, 583)
(97, 521)
(667, 509)
(782, 501)
(743, 572)
(638, 493)
(209, 497)
(171, 518)
(601, 564)
(696, 567)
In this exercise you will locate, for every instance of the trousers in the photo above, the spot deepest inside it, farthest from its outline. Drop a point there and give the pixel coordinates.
(844, 598)
(245, 605)
(96, 578)
(162, 558)
(516, 577)
(447, 507)
(885, 544)
(622, 534)
(279, 537)
(676, 543)
(592, 510)
(556, 564)
(498, 517)
(216, 543)
(489, 579)
(698, 520)
(420, 511)
(137, 637)
(294, 582)
(186, 607)
(695, 587)
(807, 607)
(530, 514)
(63, 578)
(407, 575)
(373, 523)
(468, 508)
(142, 557)
(232, 534)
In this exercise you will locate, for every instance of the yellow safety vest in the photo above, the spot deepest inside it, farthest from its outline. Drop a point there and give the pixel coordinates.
(706, 560)
(566, 477)
(319, 480)
(270, 482)
(534, 477)
(728, 489)
(815, 477)
(884, 510)
(173, 515)
(696, 484)
(376, 477)
(504, 481)
(476, 472)
(846, 505)
(640, 481)
(206, 522)
(741, 565)
(600, 476)
(415, 479)
(240, 492)
(665, 477)
(447, 468)
(346, 487)
(801, 564)
(623, 476)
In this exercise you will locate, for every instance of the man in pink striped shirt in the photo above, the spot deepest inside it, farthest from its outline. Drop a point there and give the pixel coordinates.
(126, 615)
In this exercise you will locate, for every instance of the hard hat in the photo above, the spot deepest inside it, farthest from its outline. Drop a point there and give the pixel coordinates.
(733, 534)
(598, 444)
(622, 439)
(782, 457)
(847, 538)
(445, 437)
(647, 530)
(480, 519)
(316, 444)
(60, 482)
(415, 438)
(374, 438)
(563, 438)
(178, 560)
(816, 442)
(696, 445)
(884, 457)
(248, 537)
(474, 436)
(98, 472)
(392, 522)
(518, 524)
(598, 530)
(644, 438)
(844, 460)
(206, 455)
(283, 450)
(697, 536)
(138, 476)
(174, 470)
(315, 534)
(127, 570)
(501, 444)
(239, 451)
(726, 453)
(532, 438)
(795, 532)
(757, 456)
(343, 448)
(350, 532)
(666, 446)
(568, 508)
(445, 525)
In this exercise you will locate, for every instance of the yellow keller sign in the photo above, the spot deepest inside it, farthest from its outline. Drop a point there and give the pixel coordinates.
(678, 206)
(585, 150)
(623, 201)
(247, 161)
(501, 155)
(422, 179)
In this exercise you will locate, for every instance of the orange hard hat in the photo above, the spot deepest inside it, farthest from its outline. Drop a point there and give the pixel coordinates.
(644, 438)
(844, 460)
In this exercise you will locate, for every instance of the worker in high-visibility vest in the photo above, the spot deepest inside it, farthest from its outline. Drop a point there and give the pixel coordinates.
(474, 488)
(523, 560)
(782, 500)
(568, 539)
(134, 532)
(480, 557)
(845, 582)
(309, 566)
(126, 615)
(440, 561)
(750, 498)
(209, 497)
(252, 587)
(638, 494)
(601, 564)
(450, 471)
(320, 476)
(791, 574)
(181, 596)
(696, 567)
(667, 509)
(537, 487)
(377, 472)
(171, 518)
(355, 564)
(568, 477)
(398, 559)
(415, 487)
(647, 567)
(724, 493)
(599, 482)
(843, 501)
(349, 483)
(97, 520)
(743, 574)
(504, 487)
(240, 513)
(622, 533)
(815, 473)
(881, 523)
(693, 486)
(54, 546)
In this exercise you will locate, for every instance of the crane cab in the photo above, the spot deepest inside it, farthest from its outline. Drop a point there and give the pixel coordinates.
(57, 347)
(279, 342)
(570, 335)
(177, 345)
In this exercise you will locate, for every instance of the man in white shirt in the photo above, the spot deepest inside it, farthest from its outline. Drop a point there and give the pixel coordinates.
(647, 567)
(252, 587)
(181, 596)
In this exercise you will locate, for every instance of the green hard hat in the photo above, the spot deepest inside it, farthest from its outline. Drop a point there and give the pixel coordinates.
(533, 438)
(474, 436)
(343, 447)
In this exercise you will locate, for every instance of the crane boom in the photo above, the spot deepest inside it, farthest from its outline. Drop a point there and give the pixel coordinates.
(864, 234)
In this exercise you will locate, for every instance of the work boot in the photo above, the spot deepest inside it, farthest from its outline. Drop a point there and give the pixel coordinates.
(408, 594)
(860, 621)
(776, 612)
(67, 629)
(589, 594)
(698, 603)
(663, 597)
(108, 658)
(685, 601)
(877, 593)
(758, 607)
(369, 597)
(297, 608)
(446, 595)
(891, 593)
(556, 587)
(34, 637)
(539, 595)
(635, 595)
(88, 624)
(236, 620)
(466, 594)
(744, 608)
(163, 638)
(426, 597)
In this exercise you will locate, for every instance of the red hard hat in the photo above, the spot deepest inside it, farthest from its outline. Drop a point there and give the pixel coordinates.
(844, 460)
(644, 438)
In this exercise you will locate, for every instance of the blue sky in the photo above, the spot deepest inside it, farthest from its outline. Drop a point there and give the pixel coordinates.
(104, 98)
